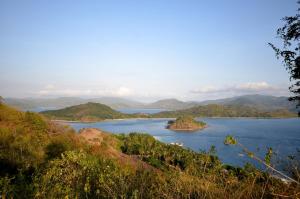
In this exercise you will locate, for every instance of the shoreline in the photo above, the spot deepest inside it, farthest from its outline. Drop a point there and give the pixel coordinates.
(189, 130)
(167, 118)
(105, 120)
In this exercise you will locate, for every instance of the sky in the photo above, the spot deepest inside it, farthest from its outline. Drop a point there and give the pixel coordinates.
(143, 50)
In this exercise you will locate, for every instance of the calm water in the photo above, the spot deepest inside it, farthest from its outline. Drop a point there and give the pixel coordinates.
(283, 135)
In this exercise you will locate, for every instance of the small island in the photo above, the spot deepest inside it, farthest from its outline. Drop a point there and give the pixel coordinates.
(185, 123)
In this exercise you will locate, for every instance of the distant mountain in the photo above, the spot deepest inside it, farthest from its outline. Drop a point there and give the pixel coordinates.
(118, 103)
(263, 102)
(171, 104)
(214, 110)
(33, 103)
(62, 102)
(85, 112)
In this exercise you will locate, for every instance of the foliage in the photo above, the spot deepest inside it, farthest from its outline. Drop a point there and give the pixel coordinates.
(268, 156)
(39, 159)
(289, 33)
(59, 144)
(214, 110)
(22, 138)
(166, 156)
(92, 112)
(79, 175)
(185, 123)
(86, 112)
(230, 140)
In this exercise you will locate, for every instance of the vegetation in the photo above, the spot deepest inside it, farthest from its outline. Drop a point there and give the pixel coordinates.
(230, 140)
(214, 110)
(40, 159)
(88, 112)
(185, 123)
(290, 52)
(257, 101)
(91, 112)
(262, 102)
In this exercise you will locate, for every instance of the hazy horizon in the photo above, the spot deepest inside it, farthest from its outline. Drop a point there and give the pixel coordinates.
(145, 101)
(141, 50)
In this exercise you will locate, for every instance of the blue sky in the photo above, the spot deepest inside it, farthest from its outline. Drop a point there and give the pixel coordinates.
(145, 50)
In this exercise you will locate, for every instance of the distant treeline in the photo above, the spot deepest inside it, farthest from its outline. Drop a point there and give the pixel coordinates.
(214, 110)
(91, 112)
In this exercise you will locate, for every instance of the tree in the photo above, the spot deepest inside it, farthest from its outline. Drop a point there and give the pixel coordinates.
(289, 33)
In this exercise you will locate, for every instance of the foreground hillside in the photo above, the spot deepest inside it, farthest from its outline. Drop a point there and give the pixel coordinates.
(86, 112)
(41, 159)
(214, 110)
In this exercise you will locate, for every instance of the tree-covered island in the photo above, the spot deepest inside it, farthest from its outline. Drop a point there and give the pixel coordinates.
(185, 123)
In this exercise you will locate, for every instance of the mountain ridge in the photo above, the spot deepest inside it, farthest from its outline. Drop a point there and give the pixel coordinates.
(217, 110)
(263, 102)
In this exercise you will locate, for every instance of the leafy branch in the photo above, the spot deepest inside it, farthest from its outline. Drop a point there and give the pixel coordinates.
(230, 140)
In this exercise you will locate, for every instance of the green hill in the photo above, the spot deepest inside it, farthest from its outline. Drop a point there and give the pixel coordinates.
(86, 112)
(214, 110)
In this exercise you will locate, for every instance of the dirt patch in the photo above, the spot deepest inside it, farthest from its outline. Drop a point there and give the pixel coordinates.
(105, 144)
(92, 135)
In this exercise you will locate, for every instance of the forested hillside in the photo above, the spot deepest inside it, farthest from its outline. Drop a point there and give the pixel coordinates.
(86, 112)
(214, 110)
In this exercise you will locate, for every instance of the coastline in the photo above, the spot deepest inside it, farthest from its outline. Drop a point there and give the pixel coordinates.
(189, 130)
(78, 121)
(167, 118)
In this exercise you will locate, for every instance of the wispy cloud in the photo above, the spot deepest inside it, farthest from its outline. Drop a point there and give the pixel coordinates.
(50, 90)
(255, 86)
(201, 93)
(49, 86)
(245, 88)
